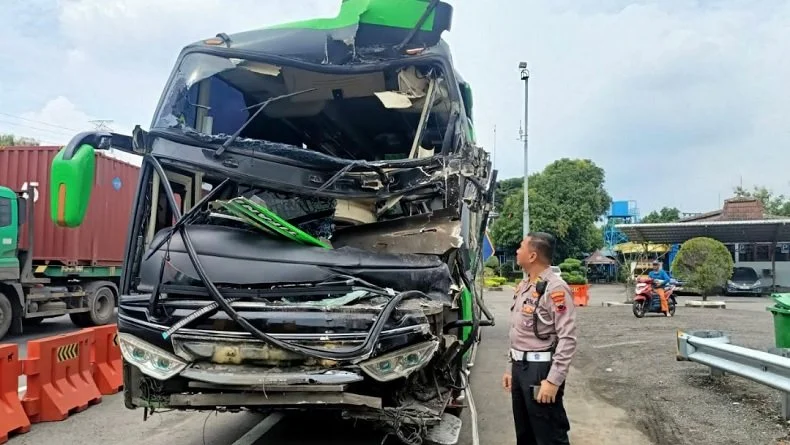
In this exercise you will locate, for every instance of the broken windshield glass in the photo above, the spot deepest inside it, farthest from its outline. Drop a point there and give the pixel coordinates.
(393, 114)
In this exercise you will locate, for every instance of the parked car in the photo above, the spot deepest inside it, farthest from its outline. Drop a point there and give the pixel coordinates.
(744, 281)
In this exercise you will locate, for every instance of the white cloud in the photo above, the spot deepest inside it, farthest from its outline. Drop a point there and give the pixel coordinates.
(60, 110)
(677, 100)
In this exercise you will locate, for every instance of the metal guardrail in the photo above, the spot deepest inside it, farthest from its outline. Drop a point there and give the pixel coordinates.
(713, 349)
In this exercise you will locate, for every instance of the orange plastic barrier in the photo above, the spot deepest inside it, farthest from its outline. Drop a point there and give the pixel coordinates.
(59, 378)
(581, 296)
(106, 359)
(12, 417)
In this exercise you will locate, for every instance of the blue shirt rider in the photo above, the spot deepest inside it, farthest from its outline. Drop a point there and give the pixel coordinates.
(660, 274)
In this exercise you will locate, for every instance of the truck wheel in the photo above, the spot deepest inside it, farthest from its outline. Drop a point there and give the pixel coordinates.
(6, 314)
(101, 302)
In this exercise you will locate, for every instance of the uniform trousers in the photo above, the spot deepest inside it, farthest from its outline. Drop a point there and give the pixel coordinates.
(537, 423)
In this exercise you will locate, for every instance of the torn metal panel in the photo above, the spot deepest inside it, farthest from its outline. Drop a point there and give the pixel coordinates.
(284, 400)
(361, 27)
(267, 388)
(394, 99)
(254, 375)
(244, 257)
(432, 234)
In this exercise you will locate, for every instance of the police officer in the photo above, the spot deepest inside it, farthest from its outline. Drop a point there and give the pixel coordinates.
(542, 343)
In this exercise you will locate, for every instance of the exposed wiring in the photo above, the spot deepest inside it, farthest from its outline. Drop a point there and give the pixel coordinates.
(204, 425)
(360, 352)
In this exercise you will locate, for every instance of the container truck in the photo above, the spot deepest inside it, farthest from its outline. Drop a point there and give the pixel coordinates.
(49, 271)
(308, 226)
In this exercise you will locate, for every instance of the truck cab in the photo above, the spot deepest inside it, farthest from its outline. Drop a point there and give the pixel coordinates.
(32, 289)
(10, 220)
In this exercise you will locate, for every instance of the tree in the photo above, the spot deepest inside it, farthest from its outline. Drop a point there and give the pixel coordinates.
(505, 188)
(9, 140)
(774, 205)
(665, 215)
(704, 264)
(565, 199)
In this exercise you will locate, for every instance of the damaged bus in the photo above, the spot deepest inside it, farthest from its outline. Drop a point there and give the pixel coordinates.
(308, 224)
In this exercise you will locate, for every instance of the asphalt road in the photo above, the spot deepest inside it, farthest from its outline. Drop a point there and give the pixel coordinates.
(624, 381)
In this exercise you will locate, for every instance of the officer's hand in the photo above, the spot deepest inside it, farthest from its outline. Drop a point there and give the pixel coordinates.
(507, 381)
(548, 392)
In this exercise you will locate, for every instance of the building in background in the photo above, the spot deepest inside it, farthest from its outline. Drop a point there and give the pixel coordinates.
(754, 255)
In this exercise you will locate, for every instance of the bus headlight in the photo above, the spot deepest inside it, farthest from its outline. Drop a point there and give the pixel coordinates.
(400, 363)
(149, 359)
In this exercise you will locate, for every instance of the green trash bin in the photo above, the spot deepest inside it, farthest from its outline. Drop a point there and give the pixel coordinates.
(781, 313)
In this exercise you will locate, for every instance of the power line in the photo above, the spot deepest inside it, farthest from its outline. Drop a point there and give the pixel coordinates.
(45, 130)
(36, 121)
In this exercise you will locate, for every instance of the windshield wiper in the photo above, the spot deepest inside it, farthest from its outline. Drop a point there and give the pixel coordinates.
(260, 106)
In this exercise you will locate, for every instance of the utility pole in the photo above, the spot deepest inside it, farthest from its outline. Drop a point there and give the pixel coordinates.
(523, 135)
(103, 125)
(493, 167)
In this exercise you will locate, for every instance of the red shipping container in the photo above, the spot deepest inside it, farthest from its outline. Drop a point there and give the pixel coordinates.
(101, 238)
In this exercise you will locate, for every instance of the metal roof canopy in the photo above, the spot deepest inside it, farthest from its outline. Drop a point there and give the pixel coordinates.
(727, 232)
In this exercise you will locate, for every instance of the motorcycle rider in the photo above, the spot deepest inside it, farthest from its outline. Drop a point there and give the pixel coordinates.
(660, 274)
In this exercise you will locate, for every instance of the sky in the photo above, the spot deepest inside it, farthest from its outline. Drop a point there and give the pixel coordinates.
(679, 101)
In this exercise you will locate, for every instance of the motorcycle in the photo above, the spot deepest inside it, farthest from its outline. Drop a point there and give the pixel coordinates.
(646, 299)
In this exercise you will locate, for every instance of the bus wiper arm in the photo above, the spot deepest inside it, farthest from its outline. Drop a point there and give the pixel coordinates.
(260, 106)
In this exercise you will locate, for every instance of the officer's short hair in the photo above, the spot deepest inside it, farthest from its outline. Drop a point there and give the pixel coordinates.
(543, 243)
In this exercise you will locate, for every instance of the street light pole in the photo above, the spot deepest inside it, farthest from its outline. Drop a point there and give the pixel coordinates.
(525, 77)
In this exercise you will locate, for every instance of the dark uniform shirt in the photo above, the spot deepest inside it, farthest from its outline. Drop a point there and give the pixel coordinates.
(556, 318)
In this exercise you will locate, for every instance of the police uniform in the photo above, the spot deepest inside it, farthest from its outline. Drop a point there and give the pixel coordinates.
(542, 343)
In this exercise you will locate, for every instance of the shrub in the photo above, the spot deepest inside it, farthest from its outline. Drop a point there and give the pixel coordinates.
(576, 279)
(571, 265)
(492, 262)
(494, 281)
(489, 272)
(573, 271)
(704, 264)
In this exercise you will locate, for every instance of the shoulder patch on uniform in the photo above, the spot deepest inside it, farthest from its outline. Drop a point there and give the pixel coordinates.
(561, 308)
(558, 297)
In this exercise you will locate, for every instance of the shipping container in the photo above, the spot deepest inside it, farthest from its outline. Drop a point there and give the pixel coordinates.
(101, 239)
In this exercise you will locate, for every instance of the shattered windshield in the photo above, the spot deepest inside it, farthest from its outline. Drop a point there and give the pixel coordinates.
(393, 114)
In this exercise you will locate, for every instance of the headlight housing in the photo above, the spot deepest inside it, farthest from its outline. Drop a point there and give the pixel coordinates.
(149, 359)
(757, 283)
(400, 363)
